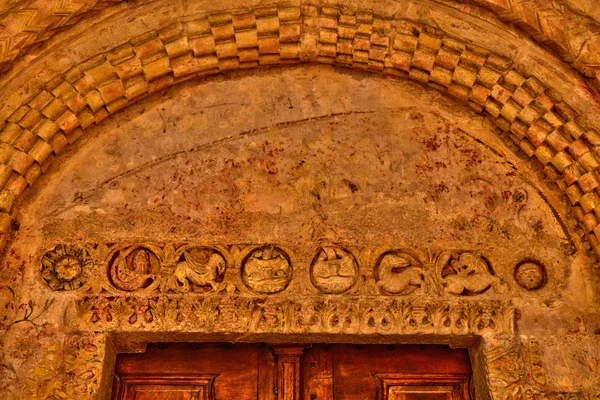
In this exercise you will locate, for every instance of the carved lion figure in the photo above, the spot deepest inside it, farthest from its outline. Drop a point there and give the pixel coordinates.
(189, 271)
(470, 273)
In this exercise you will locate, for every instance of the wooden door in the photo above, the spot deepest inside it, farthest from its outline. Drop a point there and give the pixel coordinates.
(352, 372)
(196, 372)
(293, 372)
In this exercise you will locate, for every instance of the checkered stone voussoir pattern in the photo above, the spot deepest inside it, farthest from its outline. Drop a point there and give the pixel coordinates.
(531, 114)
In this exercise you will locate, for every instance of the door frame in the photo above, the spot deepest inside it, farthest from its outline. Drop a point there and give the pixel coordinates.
(486, 328)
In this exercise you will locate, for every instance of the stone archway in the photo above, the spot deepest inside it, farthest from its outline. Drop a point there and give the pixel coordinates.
(544, 124)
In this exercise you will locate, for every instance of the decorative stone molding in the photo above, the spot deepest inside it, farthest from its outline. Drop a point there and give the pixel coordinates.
(150, 268)
(571, 35)
(492, 322)
(507, 376)
(532, 116)
(293, 315)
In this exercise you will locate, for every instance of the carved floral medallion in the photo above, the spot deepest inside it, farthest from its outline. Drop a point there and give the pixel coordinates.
(66, 267)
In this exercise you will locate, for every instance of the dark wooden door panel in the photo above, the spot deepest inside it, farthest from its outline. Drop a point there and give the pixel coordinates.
(374, 372)
(424, 386)
(293, 372)
(167, 388)
(206, 371)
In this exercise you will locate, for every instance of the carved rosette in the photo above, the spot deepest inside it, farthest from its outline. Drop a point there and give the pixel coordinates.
(66, 267)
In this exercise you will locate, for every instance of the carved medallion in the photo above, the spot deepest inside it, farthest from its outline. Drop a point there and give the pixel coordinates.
(398, 272)
(198, 269)
(267, 270)
(468, 274)
(333, 270)
(133, 268)
(530, 275)
(66, 267)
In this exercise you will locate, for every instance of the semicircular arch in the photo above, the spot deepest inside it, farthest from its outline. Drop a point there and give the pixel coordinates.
(551, 124)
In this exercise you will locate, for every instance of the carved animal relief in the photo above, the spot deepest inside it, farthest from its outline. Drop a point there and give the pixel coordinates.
(267, 270)
(400, 272)
(456, 273)
(468, 274)
(334, 270)
(198, 269)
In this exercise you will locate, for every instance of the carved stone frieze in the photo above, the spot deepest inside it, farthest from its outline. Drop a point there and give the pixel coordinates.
(268, 269)
(188, 288)
(279, 314)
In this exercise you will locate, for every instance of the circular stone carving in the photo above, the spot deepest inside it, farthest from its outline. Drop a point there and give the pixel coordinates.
(267, 270)
(530, 275)
(333, 270)
(66, 267)
(133, 268)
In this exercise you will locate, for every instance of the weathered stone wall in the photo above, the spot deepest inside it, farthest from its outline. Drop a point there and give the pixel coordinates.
(382, 210)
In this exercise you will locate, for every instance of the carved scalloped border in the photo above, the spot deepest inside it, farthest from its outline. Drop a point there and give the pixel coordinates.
(88, 354)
